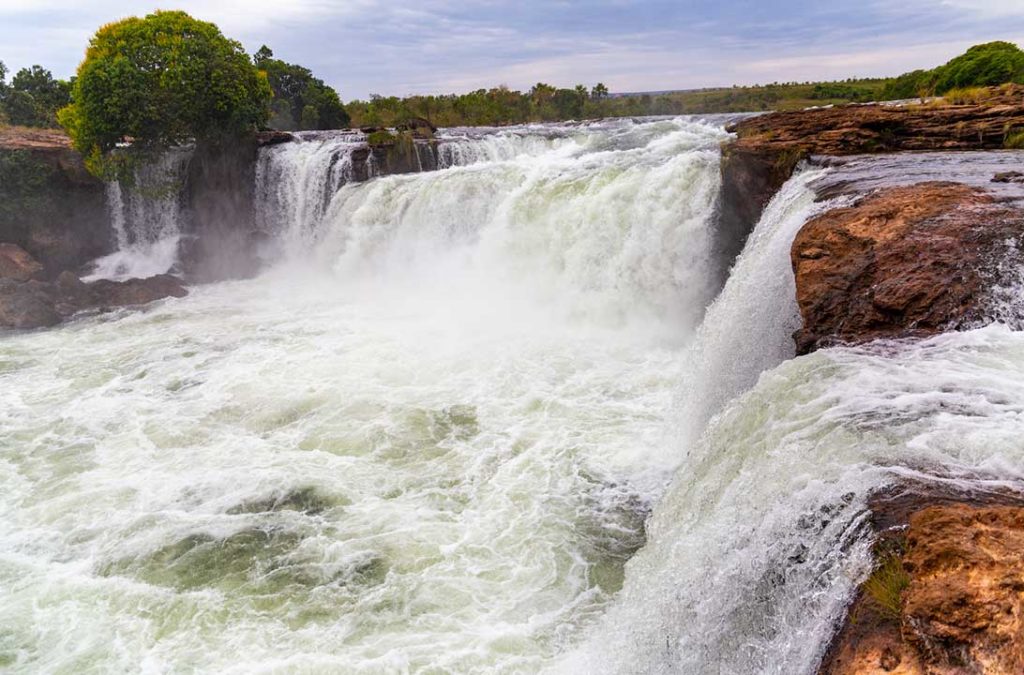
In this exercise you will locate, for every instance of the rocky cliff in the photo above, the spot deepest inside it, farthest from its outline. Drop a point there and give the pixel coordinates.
(49, 204)
(768, 147)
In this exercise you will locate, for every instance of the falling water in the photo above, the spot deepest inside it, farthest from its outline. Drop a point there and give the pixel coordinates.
(429, 438)
(146, 218)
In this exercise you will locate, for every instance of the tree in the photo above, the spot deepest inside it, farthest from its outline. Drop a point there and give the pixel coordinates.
(599, 91)
(983, 65)
(160, 81)
(33, 97)
(301, 101)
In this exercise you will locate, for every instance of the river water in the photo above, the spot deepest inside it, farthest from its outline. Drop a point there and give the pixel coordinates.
(427, 439)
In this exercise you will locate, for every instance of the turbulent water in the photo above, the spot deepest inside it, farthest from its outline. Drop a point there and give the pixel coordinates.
(427, 439)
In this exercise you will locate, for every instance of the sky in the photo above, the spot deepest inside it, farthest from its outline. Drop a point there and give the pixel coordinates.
(404, 47)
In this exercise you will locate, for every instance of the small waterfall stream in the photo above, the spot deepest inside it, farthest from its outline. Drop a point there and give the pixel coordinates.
(147, 219)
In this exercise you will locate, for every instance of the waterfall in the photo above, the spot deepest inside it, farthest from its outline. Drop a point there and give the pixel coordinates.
(146, 218)
(494, 417)
(296, 180)
(611, 219)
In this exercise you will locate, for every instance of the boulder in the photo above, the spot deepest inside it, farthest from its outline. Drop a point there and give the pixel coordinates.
(17, 264)
(105, 293)
(1009, 177)
(905, 261)
(27, 304)
(37, 304)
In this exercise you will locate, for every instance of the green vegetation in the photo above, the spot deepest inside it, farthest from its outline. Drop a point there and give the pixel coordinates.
(160, 81)
(33, 97)
(1014, 139)
(985, 65)
(886, 584)
(301, 101)
(26, 194)
(545, 103)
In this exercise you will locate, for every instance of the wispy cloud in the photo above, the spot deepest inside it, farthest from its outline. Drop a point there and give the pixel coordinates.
(406, 46)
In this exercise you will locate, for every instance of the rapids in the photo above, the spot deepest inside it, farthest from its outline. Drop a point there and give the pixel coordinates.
(491, 418)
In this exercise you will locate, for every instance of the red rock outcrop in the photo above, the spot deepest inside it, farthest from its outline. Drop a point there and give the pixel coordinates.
(962, 611)
(900, 262)
(860, 129)
(768, 147)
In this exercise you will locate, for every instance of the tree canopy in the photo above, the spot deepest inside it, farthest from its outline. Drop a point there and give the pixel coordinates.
(988, 64)
(301, 101)
(33, 97)
(160, 81)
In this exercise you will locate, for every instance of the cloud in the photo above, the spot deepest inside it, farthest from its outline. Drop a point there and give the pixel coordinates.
(406, 46)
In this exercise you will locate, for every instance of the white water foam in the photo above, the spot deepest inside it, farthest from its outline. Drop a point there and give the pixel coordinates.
(427, 443)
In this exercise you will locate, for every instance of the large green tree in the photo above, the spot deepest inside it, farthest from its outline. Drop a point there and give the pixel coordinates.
(163, 80)
(301, 101)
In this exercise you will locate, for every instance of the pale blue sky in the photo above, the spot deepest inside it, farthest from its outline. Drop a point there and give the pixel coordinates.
(432, 46)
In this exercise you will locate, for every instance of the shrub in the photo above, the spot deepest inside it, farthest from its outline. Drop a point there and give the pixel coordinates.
(1014, 139)
(886, 584)
(160, 81)
(983, 65)
(381, 138)
(966, 96)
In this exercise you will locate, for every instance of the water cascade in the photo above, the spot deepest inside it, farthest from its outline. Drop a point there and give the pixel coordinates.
(490, 418)
(147, 219)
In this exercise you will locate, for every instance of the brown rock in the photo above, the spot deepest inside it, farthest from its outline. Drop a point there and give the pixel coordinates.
(963, 610)
(273, 138)
(27, 304)
(37, 304)
(768, 147)
(902, 261)
(106, 293)
(1008, 177)
(17, 264)
(858, 129)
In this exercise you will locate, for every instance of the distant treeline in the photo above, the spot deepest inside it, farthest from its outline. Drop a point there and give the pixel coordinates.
(303, 101)
(545, 103)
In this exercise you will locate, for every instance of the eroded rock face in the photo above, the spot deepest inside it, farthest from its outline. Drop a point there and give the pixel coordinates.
(17, 264)
(903, 261)
(36, 304)
(768, 147)
(962, 611)
(28, 304)
(964, 608)
(858, 129)
(49, 204)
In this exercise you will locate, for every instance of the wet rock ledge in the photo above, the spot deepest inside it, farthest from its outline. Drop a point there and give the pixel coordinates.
(767, 148)
(27, 301)
(947, 597)
(907, 262)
